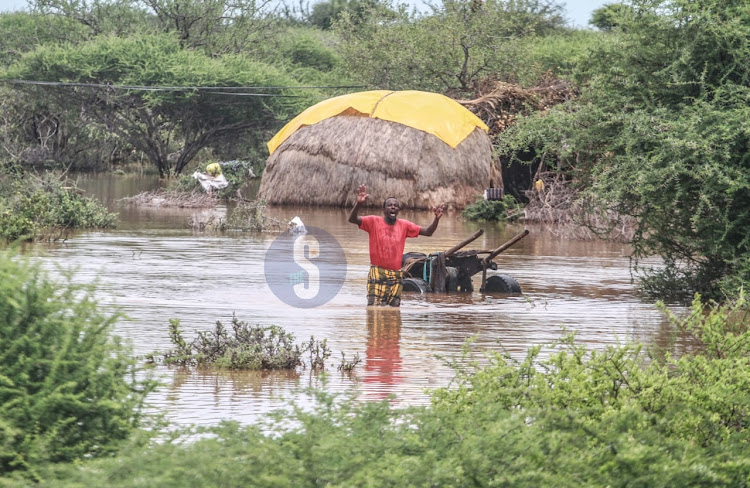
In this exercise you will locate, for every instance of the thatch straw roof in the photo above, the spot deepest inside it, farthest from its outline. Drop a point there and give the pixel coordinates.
(324, 163)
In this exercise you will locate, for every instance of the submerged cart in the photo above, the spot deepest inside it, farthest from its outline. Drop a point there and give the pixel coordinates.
(453, 269)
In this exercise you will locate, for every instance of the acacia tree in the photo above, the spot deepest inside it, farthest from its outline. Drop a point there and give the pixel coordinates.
(452, 47)
(213, 26)
(132, 87)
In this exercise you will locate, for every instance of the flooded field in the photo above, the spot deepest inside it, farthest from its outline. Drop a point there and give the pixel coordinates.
(154, 269)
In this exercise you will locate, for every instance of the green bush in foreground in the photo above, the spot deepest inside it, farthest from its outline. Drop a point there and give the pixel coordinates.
(43, 208)
(615, 417)
(67, 389)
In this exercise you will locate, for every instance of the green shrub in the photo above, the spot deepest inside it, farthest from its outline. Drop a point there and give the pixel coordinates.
(493, 210)
(33, 208)
(244, 347)
(67, 387)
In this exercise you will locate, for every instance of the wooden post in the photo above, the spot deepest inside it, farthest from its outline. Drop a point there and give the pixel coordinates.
(502, 248)
(464, 243)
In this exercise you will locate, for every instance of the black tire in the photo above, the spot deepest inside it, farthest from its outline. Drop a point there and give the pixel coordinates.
(416, 284)
(451, 280)
(502, 283)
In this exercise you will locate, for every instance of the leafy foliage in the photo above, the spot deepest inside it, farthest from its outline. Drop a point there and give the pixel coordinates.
(659, 134)
(21, 32)
(324, 14)
(493, 210)
(169, 126)
(609, 16)
(246, 347)
(44, 208)
(67, 388)
(461, 42)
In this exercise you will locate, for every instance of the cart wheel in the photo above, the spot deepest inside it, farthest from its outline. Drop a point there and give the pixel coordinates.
(416, 284)
(502, 283)
(451, 279)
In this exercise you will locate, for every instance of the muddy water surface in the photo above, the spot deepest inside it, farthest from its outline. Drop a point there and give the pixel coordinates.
(155, 269)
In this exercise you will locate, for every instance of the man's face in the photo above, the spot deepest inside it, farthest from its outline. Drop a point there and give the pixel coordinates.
(390, 210)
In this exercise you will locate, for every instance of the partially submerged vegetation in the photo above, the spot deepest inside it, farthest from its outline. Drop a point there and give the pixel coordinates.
(45, 207)
(244, 346)
(507, 209)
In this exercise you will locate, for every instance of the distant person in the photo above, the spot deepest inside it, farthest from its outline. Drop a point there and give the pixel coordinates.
(387, 240)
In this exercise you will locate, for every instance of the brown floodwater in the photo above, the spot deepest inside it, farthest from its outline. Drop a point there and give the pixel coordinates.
(154, 269)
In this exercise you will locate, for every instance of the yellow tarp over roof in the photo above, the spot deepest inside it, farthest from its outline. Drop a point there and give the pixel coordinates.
(429, 112)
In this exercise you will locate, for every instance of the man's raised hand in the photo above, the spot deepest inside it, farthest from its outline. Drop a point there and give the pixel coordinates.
(362, 194)
(438, 211)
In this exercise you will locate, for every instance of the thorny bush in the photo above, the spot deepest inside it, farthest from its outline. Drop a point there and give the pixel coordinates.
(243, 347)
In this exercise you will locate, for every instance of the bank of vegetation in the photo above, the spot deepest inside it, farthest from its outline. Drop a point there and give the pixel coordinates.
(72, 396)
(45, 206)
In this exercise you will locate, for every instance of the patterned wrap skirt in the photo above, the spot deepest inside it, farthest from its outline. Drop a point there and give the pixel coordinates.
(384, 286)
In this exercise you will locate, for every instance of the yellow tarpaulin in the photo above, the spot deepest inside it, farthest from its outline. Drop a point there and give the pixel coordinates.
(429, 112)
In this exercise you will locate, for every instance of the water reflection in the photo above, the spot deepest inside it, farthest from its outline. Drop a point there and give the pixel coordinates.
(383, 358)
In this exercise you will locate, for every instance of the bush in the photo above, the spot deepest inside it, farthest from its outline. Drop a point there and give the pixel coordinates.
(659, 135)
(67, 388)
(34, 208)
(246, 347)
(493, 210)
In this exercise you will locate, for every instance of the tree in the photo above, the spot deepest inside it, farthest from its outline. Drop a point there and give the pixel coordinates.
(213, 26)
(324, 14)
(132, 87)
(611, 15)
(660, 133)
(458, 43)
(111, 17)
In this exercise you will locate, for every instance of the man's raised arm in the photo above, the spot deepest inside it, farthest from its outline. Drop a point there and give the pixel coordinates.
(361, 198)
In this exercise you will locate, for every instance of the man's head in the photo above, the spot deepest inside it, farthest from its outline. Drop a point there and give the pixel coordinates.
(391, 206)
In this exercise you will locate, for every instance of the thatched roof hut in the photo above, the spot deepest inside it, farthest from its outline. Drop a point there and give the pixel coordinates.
(324, 163)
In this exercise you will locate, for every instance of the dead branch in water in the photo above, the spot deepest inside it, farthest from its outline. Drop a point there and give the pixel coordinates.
(164, 198)
(559, 207)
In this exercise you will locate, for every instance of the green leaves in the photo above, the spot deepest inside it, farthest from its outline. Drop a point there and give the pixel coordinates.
(43, 208)
(458, 44)
(66, 387)
(660, 134)
(166, 101)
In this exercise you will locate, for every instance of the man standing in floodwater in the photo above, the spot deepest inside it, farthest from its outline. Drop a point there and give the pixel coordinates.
(387, 240)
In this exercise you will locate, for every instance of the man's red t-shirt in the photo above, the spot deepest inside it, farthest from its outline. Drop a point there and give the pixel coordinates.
(387, 241)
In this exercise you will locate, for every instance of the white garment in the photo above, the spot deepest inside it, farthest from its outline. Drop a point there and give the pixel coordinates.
(209, 182)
